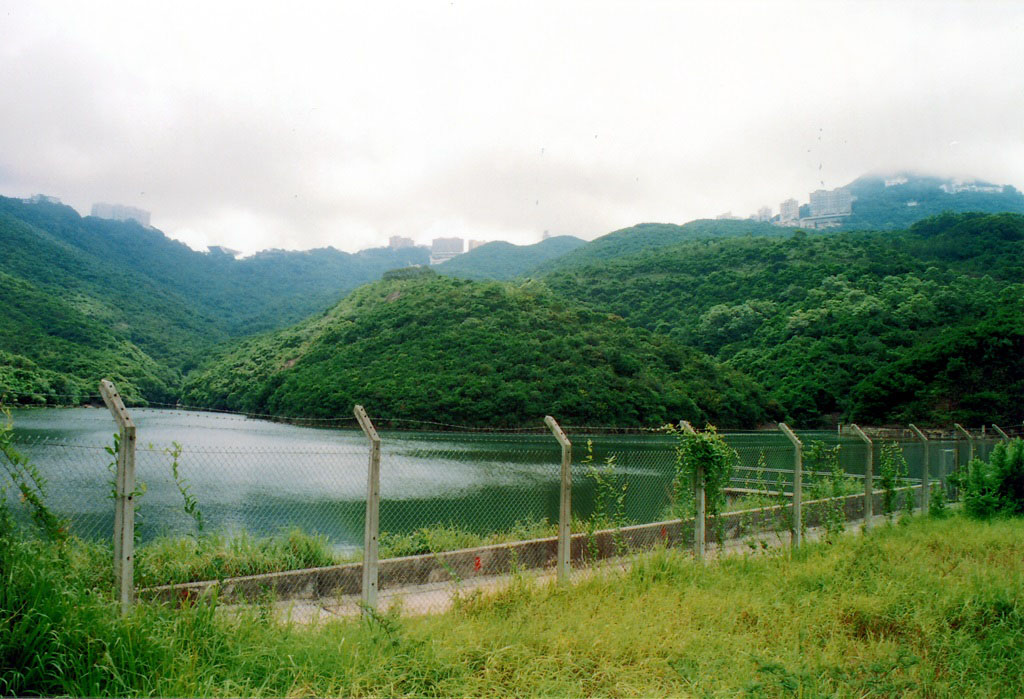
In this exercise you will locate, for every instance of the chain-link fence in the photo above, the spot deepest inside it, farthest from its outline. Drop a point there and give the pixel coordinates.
(285, 516)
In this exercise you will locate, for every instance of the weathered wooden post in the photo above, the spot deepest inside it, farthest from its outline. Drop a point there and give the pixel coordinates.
(926, 485)
(699, 497)
(798, 484)
(869, 477)
(372, 533)
(124, 500)
(565, 504)
(999, 430)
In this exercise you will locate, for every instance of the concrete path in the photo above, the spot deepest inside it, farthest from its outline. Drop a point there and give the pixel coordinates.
(436, 598)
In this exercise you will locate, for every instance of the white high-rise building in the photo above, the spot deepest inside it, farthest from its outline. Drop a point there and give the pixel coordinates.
(789, 211)
(442, 249)
(118, 212)
(838, 202)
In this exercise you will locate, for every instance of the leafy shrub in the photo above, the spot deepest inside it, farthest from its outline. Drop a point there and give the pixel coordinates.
(996, 487)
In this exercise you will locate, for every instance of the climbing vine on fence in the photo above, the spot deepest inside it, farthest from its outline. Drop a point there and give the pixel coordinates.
(705, 451)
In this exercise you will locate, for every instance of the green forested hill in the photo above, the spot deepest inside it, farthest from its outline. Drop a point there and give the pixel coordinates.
(503, 261)
(165, 323)
(878, 207)
(48, 346)
(145, 306)
(972, 373)
(475, 353)
(649, 236)
(242, 296)
(810, 317)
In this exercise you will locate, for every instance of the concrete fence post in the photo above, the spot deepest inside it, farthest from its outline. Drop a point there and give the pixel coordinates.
(699, 498)
(999, 430)
(970, 441)
(565, 501)
(124, 500)
(926, 485)
(798, 485)
(869, 477)
(372, 531)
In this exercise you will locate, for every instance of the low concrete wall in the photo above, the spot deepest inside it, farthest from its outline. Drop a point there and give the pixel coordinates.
(502, 559)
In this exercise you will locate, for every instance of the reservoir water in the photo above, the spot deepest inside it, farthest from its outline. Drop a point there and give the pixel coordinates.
(264, 477)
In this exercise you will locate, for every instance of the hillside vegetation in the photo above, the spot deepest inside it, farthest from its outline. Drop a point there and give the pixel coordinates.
(645, 237)
(877, 207)
(503, 261)
(930, 609)
(87, 298)
(475, 353)
(811, 317)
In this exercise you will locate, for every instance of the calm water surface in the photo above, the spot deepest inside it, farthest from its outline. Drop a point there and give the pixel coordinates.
(265, 477)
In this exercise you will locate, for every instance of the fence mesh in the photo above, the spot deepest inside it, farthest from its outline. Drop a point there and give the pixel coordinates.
(458, 509)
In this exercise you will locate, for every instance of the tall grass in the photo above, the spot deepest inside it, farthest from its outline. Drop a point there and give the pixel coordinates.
(934, 608)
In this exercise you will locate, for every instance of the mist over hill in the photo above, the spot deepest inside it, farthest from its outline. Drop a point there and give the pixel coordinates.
(898, 200)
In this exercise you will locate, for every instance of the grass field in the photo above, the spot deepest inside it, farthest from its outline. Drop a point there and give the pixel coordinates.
(934, 607)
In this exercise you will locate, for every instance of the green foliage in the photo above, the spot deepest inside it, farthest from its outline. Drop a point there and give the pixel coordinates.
(706, 455)
(31, 487)
(968, 373)
(831, 487)
(937, 506)
(450, 537)
(473, 353)
(996, 487)
(609, 499)
(191, 505)
(892, 471)
(878, 207)
(811, 318)
(869, 631)
(503, 261)
(646, 237)
(609, 490)
(215, 556)
(86, 299)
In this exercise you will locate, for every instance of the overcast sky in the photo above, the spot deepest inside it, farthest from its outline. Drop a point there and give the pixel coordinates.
(302, 125)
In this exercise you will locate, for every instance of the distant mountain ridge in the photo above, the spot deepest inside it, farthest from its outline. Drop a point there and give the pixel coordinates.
(146, 305)
(649, 236)
(503, 261)
(901, 199)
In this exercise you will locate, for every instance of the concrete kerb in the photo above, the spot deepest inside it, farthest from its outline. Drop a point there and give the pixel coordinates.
(497, 560)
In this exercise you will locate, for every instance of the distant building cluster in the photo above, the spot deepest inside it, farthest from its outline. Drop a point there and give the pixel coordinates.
(397, 242)
(41, 199)
(957, 186)
(442, 249)
(118, 212)
(826, 209)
